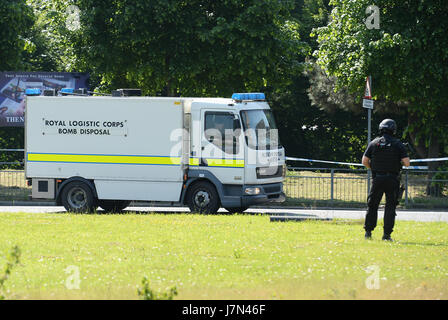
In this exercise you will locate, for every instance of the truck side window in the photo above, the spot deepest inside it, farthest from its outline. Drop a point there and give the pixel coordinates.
(223, 129)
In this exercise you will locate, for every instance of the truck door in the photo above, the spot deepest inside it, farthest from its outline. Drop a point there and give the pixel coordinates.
(222, 148)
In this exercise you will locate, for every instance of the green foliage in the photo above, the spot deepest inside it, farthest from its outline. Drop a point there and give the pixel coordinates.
(52, 44)
(310, 132)
(323, 94)
(409, 49)
(16, 20)
(11, 138)
(199, 47)
(407, 58)
(306, 128)
(311, 14)
(146, 293)
(196, 48)
(12, 260)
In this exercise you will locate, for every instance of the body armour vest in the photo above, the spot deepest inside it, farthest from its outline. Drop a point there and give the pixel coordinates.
(386, 155)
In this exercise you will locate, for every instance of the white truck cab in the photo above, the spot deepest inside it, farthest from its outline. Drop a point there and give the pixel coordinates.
(207, 153)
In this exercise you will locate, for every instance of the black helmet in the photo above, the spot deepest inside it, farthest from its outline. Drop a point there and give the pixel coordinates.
(388, 126)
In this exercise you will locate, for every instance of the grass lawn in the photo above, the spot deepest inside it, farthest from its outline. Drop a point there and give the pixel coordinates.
(220, 257)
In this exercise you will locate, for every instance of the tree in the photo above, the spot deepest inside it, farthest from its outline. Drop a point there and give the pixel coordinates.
(198, 47)
(308, 129)
(407, 58)
(310, 132)
(16, 20)
(50, 47)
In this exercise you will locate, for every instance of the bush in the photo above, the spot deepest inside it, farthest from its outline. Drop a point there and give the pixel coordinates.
(12, 260)
(146, 293)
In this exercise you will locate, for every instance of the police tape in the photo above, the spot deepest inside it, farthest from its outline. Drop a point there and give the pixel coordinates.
(361, 165)
(430, 160)
(324, 161)
(11, 150)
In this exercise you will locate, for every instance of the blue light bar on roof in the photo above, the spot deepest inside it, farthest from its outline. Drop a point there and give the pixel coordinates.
(33, 92)
(248, 96)
(67, 90)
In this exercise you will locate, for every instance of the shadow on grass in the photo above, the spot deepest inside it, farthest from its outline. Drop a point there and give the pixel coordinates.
(348, 222)
(221, 213)
(315, 203)
(152, 212)
(426, 244)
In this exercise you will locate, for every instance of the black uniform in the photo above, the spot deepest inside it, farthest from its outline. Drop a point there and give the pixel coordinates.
(385, 155)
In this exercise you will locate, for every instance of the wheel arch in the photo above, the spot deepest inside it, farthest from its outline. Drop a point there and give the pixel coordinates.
(89, 183)
(196, 176)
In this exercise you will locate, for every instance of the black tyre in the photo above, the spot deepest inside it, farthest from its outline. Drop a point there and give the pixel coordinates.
(202, 197)
(237, 210)
(78, 197)
(113, 205)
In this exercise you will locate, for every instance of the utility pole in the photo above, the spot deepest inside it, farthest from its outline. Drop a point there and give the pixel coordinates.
(367, 103)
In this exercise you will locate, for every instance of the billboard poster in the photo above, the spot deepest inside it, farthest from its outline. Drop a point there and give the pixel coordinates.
(14, 84)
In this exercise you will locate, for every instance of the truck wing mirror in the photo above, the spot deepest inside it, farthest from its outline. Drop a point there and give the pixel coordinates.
(236, 123)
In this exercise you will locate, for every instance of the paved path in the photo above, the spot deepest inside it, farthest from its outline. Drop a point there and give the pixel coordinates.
(423, 216)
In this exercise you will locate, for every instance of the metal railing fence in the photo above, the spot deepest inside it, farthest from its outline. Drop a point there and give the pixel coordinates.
(13, 186)
(349, 187)
(307, 187)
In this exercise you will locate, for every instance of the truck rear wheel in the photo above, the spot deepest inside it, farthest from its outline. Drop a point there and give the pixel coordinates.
(78, 197)
(202, 197)
(113, 205)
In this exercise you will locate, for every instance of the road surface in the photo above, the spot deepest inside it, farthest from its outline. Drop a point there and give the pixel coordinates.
(421, 215)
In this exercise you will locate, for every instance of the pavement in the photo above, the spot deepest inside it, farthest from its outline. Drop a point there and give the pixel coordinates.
(319, 214)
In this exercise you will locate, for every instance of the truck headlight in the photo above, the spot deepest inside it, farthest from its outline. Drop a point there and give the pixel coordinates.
(252, 190)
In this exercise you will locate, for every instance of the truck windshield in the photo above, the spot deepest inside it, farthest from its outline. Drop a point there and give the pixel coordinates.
(260, 129)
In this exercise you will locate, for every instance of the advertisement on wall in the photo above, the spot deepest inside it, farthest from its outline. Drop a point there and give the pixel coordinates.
(14, 84)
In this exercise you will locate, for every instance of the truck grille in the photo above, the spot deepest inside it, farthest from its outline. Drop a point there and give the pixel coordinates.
(272, 188)
(269, 172)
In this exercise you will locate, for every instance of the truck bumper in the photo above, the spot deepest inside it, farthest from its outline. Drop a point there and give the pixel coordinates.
(270, 193)
(248, 201)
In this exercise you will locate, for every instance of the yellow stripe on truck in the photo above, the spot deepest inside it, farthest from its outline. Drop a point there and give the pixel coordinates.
(194, 161)
(126, 159)
(106, 159)
(219, 162)
(225, 163)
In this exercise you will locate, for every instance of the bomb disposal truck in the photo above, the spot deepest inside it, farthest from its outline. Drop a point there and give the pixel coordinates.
(87, 152)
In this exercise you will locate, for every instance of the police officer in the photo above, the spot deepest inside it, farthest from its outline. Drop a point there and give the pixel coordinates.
(385, 156)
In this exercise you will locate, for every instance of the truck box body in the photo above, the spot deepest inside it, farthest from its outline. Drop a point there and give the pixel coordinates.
(122, 142)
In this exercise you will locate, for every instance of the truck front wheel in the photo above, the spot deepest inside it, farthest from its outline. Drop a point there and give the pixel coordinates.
(78, 197)
(202, 197)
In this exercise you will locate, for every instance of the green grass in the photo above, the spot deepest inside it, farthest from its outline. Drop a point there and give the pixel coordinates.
(219, 257)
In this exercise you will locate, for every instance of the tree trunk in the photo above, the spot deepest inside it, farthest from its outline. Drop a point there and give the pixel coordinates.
(433, 189)
(430, 151)
(169, 90)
